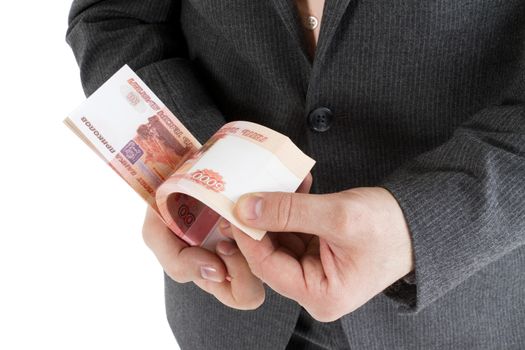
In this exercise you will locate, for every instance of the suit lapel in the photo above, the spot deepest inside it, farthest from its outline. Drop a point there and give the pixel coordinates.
(332, 13)
(290, 17)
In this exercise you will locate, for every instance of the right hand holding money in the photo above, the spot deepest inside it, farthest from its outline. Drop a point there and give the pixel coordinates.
(359, 245)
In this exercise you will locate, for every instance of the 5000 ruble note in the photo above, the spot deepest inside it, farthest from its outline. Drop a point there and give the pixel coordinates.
(189, 185)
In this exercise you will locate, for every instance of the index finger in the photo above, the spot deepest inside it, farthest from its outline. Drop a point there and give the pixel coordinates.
(282, 272)
(181, 262)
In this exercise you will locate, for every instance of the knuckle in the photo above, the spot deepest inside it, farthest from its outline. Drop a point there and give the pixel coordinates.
(284, 210)
(243, 300)
(325, 313)
(255, 267)
(175, 272)
(253, 303)
(329, 306)
(341, 218)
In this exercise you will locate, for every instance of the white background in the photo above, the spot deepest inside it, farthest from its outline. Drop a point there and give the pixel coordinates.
(74, 272)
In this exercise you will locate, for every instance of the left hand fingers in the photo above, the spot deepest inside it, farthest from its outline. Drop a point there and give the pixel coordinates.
(241, 290)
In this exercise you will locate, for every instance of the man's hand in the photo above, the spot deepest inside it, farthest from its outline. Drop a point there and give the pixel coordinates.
(211, 272)
(358, 245)
(226, 275)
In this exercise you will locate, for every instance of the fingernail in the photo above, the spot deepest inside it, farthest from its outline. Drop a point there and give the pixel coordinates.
(250, 207)
(210, 273)
(226, 248)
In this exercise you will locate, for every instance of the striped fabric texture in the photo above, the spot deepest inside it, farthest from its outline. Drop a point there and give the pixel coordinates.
(428, 99)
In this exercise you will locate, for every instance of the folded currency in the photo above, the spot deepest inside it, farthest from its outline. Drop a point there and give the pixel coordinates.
(190, 186)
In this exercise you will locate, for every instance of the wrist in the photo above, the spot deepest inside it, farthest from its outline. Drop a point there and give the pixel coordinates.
(396, 229)
(386, 220)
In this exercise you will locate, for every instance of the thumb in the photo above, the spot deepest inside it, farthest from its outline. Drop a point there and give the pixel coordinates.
(291, 212)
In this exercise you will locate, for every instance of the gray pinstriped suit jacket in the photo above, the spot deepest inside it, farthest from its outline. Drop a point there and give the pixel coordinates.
(429, 102)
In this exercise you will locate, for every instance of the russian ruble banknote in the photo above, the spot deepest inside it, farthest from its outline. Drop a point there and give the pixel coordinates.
(191, 186)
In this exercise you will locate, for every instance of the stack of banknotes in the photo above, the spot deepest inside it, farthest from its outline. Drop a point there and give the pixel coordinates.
(189, 185)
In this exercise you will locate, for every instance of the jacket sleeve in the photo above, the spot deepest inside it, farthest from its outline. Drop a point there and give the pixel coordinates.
(464, 201)
(146, 35)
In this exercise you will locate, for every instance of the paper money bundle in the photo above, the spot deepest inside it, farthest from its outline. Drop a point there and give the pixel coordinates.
(189, 185)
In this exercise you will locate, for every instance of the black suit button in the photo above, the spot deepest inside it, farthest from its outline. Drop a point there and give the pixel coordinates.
(320, 119)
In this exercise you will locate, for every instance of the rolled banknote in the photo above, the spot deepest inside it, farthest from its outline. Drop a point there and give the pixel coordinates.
(190, 186)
